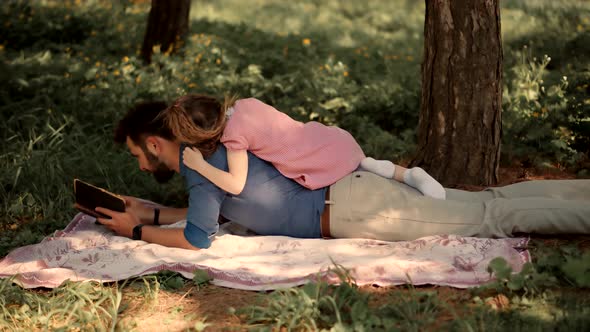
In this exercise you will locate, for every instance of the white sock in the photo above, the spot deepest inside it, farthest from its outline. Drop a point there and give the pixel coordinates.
(384, 168)
(419, 179)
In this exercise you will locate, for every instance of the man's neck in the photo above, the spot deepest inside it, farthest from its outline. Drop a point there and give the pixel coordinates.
(172, 155)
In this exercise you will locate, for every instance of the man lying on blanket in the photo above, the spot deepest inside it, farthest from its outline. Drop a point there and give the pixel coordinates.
(361, 205)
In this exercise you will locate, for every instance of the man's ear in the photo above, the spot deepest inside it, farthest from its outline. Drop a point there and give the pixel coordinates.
(153, 145)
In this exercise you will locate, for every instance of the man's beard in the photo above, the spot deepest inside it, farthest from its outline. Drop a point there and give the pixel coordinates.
(161, 172)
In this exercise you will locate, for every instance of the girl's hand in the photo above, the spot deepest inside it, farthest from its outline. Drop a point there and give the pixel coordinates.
(193, 158)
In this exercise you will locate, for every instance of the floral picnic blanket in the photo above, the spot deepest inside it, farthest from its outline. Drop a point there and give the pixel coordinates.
(86, 251)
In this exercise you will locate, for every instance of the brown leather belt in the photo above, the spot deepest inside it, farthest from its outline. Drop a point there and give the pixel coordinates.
(325, 218)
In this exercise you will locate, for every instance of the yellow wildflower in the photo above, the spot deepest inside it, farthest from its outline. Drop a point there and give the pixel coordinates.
(127, 69)
(138, 79)
(345, 74)
(169, 50)
(218, 61)
(116, 72)
(125, 59)
(306, 41)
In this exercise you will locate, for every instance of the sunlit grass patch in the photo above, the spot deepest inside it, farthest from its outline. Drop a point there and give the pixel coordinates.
(72, 306)
(89, 306)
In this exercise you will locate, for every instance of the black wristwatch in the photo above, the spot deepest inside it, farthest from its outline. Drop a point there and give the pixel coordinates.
(137, 232)
(156, 217)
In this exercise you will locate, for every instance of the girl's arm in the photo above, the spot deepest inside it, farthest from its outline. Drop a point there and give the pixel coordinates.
(233, 181)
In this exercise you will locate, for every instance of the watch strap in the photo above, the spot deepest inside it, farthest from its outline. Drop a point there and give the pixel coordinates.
(137, 232)
(157, 217)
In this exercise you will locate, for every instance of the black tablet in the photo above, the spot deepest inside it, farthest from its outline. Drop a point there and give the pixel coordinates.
(89, 197)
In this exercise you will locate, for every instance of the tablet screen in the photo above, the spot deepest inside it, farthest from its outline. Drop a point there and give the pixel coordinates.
(89, 197)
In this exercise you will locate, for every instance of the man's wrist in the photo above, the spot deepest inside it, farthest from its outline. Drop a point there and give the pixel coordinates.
(145, 214)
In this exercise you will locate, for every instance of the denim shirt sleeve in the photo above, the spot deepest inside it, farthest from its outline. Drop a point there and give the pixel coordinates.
(204, 204)
(203, 212)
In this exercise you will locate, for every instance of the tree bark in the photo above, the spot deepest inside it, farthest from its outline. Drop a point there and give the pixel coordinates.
(167, 26)
(460, 118)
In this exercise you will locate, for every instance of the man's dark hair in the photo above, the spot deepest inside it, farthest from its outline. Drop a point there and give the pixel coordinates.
(141, 121)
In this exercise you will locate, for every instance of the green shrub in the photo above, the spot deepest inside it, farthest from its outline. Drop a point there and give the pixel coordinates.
(539, 119)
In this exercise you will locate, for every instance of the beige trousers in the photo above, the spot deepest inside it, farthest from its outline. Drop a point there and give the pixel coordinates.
(365, 205)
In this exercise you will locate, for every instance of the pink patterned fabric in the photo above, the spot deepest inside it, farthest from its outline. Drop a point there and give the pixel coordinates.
(310, 153)
(85, 251)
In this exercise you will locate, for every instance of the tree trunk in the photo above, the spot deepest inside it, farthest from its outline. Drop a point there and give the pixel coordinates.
(167, 25)
(460, 118)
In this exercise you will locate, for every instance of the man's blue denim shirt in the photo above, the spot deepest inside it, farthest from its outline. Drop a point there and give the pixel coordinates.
(270, 203)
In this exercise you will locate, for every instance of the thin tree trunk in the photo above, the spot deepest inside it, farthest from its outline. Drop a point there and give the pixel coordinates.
(460, 119)
(167, 25)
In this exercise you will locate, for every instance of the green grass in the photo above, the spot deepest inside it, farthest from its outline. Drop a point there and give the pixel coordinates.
(72, 306)
(539, 298)
(69, 71)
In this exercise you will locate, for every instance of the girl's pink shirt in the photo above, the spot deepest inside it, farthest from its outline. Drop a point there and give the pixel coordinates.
(310, 153)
